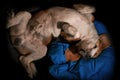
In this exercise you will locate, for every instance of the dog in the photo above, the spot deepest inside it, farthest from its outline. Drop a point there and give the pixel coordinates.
(30, 34)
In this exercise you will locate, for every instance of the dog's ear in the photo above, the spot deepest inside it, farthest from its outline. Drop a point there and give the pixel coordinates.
(104, 41)
(85, 9)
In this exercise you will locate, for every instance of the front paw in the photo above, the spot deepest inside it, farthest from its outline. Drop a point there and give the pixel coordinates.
(31, 70)
(29, 67)
(11, 13)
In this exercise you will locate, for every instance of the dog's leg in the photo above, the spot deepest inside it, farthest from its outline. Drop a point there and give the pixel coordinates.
(18, 22)
(86, 10)
(19, 17)
(38, 51)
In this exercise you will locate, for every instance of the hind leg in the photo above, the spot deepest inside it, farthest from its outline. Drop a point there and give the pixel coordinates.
(86, 10)
(38, 51)
(18, 23)
(14, 19)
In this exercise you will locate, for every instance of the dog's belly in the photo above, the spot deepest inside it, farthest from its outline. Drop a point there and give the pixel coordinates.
(32, 43)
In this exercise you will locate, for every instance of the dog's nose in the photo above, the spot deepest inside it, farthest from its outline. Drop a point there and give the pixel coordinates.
(88, 56)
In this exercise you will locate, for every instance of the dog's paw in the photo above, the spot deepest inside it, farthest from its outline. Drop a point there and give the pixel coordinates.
(10, 15)
(31, 70)
(29, 67)
(84, 8)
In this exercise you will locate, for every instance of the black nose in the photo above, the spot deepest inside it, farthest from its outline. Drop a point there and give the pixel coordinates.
(88, 56)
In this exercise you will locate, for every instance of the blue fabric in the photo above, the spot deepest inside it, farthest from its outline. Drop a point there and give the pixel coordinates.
(101, 28)
(100, 68)
(56, 52)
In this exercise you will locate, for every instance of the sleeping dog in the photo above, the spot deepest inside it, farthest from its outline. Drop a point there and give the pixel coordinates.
(30, 35)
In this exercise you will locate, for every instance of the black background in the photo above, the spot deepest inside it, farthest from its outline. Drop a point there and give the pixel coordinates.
(106, 12)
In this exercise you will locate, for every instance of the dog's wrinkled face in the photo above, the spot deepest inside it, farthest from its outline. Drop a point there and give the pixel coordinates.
(86, 49)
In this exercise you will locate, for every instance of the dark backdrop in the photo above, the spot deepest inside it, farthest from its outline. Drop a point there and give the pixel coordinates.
(107, 12)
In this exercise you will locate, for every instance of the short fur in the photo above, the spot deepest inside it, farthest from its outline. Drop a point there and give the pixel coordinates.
(30, 35)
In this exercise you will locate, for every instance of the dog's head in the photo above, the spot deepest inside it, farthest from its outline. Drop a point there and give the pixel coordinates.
(71, 34)
(88, 50)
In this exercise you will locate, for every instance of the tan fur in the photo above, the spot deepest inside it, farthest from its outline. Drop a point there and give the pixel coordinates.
(85, 10)
(34, 33)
